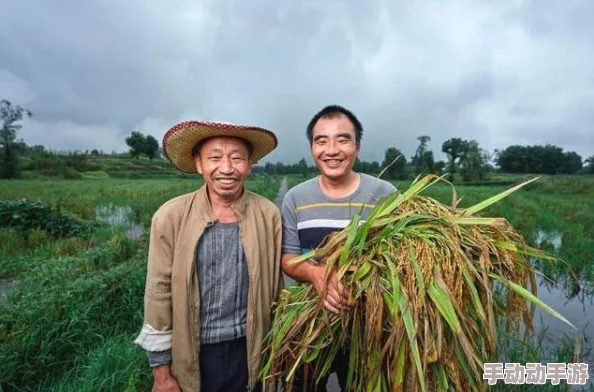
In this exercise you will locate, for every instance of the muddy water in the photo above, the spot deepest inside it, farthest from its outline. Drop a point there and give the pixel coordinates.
(576, 307)
(119, 216)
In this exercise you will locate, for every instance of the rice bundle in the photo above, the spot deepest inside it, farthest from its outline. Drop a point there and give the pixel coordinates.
(421, 277)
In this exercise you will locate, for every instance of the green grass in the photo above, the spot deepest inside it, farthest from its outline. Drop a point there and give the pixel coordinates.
(70, 321)
(69, 306)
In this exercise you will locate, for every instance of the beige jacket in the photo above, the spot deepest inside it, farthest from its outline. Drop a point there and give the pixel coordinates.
(172, 302)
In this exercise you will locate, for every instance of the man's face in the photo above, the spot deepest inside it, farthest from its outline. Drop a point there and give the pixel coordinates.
(334, 147)
(225, 164)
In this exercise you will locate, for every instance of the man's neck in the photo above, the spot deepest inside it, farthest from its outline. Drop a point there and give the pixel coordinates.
(223, 207)
(340, 187)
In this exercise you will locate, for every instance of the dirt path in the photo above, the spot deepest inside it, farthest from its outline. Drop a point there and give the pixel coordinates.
(282, 191)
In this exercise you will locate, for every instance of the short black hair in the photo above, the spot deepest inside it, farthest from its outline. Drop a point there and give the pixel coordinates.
(198, 146)
(333, 111)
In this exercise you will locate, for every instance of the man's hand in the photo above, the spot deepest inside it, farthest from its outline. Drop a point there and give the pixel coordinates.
(337, 296)
(164, 380)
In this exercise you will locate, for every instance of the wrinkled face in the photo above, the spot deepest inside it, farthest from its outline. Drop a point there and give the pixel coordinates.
(334, 147)
(225, 164)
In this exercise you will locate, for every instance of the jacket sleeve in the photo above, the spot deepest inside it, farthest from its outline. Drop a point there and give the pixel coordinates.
(156, 331)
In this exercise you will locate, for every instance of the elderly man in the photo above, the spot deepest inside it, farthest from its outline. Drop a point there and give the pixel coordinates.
(213, 265)
(327, 203)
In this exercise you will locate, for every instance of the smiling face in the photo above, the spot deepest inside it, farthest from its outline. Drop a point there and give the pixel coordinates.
(225, 164)
(334, 147)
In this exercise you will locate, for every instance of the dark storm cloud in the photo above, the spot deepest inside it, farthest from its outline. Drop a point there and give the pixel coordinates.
(515, 72)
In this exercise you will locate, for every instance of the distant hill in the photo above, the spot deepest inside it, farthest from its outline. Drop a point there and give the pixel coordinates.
(77, 165)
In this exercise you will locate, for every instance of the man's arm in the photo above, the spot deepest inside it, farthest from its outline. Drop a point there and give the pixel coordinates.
(155, 336)
(307, 271)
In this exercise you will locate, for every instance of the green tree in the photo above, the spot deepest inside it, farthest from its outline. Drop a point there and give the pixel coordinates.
(372, 168)
(439, 167)
(137, 143)
(572, 163)
(151, 147)
(10, 115)
(397, 164)
(590, 166)
(473, 162)
(302, 168)
(453, 148)
(423, 161)
(548, 159)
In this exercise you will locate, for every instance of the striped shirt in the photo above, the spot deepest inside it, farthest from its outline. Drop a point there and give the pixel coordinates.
(223, 280)
(309, 215)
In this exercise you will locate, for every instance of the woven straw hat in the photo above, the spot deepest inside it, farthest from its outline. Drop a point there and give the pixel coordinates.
(179, 141)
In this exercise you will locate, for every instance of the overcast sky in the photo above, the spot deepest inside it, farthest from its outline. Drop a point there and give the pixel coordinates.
(499, 72)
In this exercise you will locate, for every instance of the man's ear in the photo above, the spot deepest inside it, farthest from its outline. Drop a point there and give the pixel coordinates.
(198, 164)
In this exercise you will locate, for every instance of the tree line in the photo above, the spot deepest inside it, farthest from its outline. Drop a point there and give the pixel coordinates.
(466, 160)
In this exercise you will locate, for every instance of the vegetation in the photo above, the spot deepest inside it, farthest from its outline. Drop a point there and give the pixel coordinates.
(395, 165)
(70, 321)
(589, 169)
(49, 303)
(141, 144)
(423, 161)
(26, 215)
(547, 159)
(10, 115)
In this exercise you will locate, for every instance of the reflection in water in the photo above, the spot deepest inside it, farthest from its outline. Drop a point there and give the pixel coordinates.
(575, 308)
(114, 215)
(554, 238)
(573, 299)
(119, 216)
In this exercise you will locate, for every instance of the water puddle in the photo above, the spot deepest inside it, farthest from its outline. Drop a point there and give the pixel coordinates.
(119, 216)
(564, 296)
(576, 308)
(5, 286)
(555, 238)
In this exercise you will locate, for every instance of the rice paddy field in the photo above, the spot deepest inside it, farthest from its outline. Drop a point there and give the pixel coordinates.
(71, 289)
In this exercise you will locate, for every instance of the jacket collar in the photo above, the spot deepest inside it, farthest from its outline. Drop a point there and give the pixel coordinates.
(205, 211)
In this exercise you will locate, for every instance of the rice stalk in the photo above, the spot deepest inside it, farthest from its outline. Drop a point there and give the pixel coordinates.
(421, 276)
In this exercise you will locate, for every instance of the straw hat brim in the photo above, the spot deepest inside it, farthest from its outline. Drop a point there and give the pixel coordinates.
(180, 139)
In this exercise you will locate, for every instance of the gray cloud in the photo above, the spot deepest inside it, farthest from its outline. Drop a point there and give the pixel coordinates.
(503, 73)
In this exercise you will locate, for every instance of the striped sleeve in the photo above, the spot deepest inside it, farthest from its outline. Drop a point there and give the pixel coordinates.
(290, 240)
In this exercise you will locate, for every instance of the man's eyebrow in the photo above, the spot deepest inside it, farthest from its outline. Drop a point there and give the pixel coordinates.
(345, 135)
(318, 137)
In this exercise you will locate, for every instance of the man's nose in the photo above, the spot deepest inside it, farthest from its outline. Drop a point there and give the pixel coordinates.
(332, 148)
(226, 165)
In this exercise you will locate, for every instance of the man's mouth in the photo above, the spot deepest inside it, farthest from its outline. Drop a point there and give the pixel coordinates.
(226, 181)
(333, 163)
